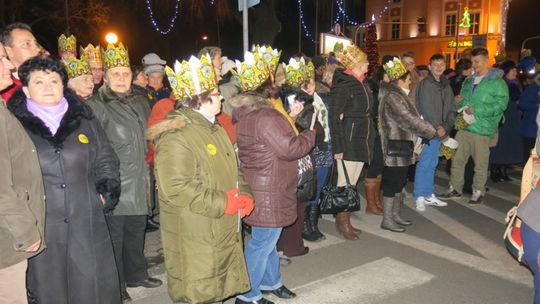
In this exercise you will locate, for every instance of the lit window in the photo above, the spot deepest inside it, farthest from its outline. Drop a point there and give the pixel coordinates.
(450, 28)
(396, 27)
(475, 24)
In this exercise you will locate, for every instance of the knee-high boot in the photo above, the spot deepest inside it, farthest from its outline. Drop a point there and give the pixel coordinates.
(311, 231)
(372, 187)
(388, 222)
(396, 208)
(343, 225)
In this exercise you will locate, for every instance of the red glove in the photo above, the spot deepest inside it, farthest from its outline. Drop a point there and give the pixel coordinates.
(248, 201)
(234, 202)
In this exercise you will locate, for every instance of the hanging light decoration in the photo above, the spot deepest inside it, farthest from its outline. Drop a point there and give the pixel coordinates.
(171, 22)
(307, 32)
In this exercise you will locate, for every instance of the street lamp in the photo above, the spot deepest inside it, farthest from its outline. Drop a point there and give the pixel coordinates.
(111, 38)
(204, 37)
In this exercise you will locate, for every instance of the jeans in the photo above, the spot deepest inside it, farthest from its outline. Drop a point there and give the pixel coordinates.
(425, 169)
(262, 262)
(531, 256)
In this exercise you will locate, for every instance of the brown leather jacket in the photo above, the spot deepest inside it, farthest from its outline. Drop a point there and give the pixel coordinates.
(268, 151)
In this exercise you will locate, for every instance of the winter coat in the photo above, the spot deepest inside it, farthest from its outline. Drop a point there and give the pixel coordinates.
(435, 102)
(195, 167)
(78, 163)
(159, 112)
(22, 200)
(509, 148)
(228, 90)
(124, 121)
(157, 95)
(354, 134)
(399, 120)
(268, 152)
(528, 104)
(489, 100)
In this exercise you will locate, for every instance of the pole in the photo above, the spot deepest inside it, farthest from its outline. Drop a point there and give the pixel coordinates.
(245, 26)
(343, 21)
(299, 34)
(316, 26)
(457, 33)
(218, 34)
(332, 15)
(66, 4)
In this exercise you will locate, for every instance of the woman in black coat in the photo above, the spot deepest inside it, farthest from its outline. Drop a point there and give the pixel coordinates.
(352, 127)
(81, 177)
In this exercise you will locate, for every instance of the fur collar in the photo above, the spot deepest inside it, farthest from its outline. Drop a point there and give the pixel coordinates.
(248, 100)
(176, 120)
(71, 121)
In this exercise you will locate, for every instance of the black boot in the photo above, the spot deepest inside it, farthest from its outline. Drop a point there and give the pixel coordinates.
(314, 214)
(311, 218)
(496, 173)
(504, 174)
(151, 225)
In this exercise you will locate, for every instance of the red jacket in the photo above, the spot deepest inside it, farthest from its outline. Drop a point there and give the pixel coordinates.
(8, 92)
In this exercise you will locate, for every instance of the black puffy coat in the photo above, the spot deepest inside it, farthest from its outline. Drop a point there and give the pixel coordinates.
(78, 265)
(354, 134)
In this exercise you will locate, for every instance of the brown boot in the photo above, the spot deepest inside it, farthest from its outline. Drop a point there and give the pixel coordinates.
(343, 225)
(378, 201)
(371, 185)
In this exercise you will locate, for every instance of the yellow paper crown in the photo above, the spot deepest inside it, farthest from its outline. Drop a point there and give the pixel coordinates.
(268, 55)
(351, 55)
(77, 67)
(297, 71)
(67, 45)
(192, 77)
(115, 56)
(394, 68)
(92, 55)
(251, 72)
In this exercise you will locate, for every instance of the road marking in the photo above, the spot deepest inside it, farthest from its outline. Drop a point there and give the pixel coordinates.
(362, 284)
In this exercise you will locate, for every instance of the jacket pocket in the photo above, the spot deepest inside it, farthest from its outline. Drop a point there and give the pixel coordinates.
(22, 193)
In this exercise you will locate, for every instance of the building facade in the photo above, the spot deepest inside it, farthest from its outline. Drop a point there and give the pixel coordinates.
(427, 27)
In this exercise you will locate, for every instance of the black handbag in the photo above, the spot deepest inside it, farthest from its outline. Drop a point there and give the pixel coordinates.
(400, 148)
(334, 199)
(305, 190)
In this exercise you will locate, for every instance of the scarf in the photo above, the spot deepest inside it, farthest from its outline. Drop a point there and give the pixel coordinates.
(51, 116)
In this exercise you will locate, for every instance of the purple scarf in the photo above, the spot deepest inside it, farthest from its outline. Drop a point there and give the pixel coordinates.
(50, 115)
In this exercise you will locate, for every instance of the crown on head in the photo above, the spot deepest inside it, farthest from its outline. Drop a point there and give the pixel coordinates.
(268, 55)
(77, 67)
(192, 77)
(67, 45)
(251, 72)
(92, 55)
(115, 56)
(394, 68)
(351, 55)
(297, 71)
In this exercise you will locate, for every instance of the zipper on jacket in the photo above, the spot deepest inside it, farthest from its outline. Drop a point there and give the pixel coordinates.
(352, 129)
(368, 124)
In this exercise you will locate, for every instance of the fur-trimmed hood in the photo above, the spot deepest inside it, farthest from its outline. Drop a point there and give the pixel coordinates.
(177, 120)
(71, 121)
(245, 102)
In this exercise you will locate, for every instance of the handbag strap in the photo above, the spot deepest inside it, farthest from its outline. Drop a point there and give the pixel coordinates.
(346, 174)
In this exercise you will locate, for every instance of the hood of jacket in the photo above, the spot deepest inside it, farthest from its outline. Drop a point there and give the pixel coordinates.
(492, 74)
(340, 78)
(244, 103)
(71, 121)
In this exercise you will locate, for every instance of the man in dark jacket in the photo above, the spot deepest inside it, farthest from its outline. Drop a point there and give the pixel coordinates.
(435, 103)
(22, 205)
(123, 115)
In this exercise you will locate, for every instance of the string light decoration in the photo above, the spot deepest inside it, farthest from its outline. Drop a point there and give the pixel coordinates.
(371, 49)
(171, 22)
(307, 32)
(341, 11)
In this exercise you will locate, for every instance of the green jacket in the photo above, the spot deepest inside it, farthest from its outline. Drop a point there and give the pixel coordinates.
(489, 101)
(195, 165)
(22, 200)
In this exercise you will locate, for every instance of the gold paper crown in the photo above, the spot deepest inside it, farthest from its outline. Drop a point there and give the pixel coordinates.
(92, 55)
(77, 67)
(252, 72)
(67, 45)
(394, 68)
(115, 56)
(338, 48)
(351, 55)
(268, 55)
(192, 77)
(297, 72)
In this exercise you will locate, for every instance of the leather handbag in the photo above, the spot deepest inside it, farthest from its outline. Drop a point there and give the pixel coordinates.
(334, 199)
(305, 190)
(400, 148)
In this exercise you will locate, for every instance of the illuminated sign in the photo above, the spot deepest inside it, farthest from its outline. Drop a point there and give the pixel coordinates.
(466, 20)
(466, 43)
(329, 41)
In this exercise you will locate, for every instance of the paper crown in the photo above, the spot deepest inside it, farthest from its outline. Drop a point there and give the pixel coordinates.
(394, 68)
(115, 56)
(67, 45)
(92, 55)
(297, 71)
(77, 67)
(192, 77)
(251, 72)
(351, 55)
(268, 55)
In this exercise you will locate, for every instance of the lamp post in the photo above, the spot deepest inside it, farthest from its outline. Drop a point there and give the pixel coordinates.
(457, 33)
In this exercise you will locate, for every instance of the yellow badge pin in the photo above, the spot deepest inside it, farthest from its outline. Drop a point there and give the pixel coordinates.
(212, 150)
(83, 138)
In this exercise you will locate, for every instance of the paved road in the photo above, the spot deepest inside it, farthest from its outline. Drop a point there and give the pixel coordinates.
(450, 255)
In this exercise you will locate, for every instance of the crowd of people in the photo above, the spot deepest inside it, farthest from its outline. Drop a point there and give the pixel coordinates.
(95, 147)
